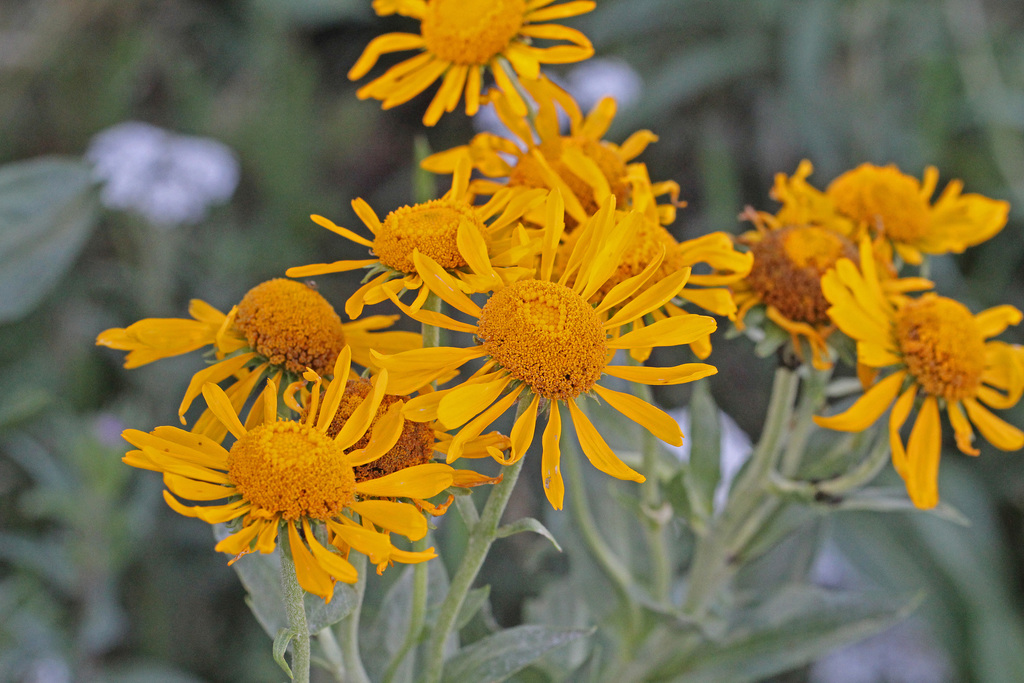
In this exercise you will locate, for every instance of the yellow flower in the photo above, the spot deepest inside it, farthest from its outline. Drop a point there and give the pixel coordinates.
(895, 207)
(936, 350)
(582, 166)
(280, 327)
(451, 231)
(458, 39)
(296, 474)
(542, 341)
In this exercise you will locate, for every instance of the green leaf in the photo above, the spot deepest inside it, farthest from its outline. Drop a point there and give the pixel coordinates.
(497, 657)
(894, 499)
(320, 614)
(705, 449)
(48, 207)
(527, 524)
(281, 641)
(793, 628)
(261, 576)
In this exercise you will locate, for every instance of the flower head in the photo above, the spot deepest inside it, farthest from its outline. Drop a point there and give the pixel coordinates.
(896, 208)
(933, 349)
(459, 39)
(279, 329)
(585, 168)
(477, 244)
(542, 342)
(295, 474)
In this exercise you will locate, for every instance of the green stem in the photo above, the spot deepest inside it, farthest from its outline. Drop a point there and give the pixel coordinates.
(417, 613)
(350, 627)
(481, 536)
(713, 565)
(811, 401)
(431, 334)
(607, 561)
(654, 522)
(295, 608)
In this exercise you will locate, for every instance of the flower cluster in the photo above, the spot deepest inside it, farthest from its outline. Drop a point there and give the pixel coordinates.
(552, 253)
(831, 261)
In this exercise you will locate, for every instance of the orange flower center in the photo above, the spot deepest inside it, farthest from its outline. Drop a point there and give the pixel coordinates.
(528, 172)
(787, 270)
(431, 227)
(887, 200)
(546, 335)
(471, 32)
(942, 346)
(288, 468)
(415, 446)
(290, 324)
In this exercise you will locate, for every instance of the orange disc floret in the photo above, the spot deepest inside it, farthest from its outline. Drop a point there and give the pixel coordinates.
(942, 346)
(291, 469)
(788, 265)
(291, 324)
(884, 198)
(414, 447)
(471, 32)
(431, 227)
(545, 335)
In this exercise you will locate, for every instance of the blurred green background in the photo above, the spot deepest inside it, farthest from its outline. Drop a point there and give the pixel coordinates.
(100, 581)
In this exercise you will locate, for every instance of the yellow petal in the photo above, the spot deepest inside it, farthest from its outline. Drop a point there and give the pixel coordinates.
(373, 544)
(481, 422)
(442, 284)
(389, 42)
(362, 416)
(418, 481)
(550, 460)
(866, 409)
(466, 401)
(900, 411)
(400, 518)
(221, 406)
(338, 230)
(676, 374)
(655, 420)
(597, 451)
(312, 577)
(961, 428)
(239, 541)
(672, 331)
(923, 450)
(314, 269)
(1003, 436)
(563, 11)
(411, 556)
(523, 429)
(417, 368)
(651, 299)
(383, 437)
(217, 372)
(995, 320)
(474, 250)
(629, 286)
(196, 490)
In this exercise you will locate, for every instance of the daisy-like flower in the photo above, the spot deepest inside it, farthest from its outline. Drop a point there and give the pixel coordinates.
(542, 342)
(896, 208)
(451, 231)
(459, 39)
(279, 329)
(792, 250)
(934, 350)
(293, 473)
(581, 165)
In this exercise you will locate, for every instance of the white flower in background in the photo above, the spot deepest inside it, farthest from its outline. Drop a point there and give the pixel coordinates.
(604, 77)
(735, 449)
(170, 179)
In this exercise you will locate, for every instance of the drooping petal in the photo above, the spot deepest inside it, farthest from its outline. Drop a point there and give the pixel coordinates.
(654, 419)
(923, 450)
(1000, 434)
(466, 401)
(312, 577)
(866, 409)
(597, 451)
(400, 518)
(550, 460)
(221, 406)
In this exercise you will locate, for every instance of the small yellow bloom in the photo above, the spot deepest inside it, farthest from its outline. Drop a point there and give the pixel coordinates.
(459, 39)
(297, 474)
(477, 244)
(581, 165)
(937, 351)
(279, 328)
(896, 208)
(543, 342)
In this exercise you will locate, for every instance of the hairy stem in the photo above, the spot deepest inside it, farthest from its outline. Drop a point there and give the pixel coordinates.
(295, 608)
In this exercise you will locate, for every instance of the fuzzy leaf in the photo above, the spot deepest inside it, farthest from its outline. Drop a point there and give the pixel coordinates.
(527, 524)
(497, 657)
